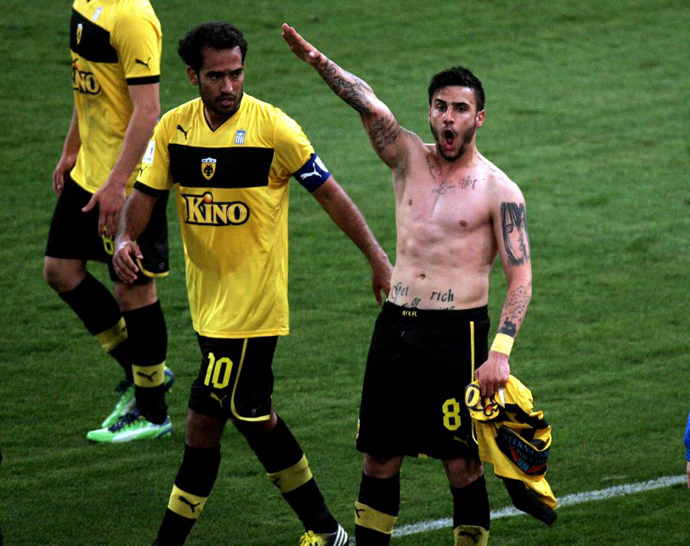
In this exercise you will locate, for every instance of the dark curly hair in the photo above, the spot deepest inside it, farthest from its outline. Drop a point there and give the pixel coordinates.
(213, 34)
(457, 75)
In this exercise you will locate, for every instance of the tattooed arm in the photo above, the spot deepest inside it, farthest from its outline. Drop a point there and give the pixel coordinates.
(389, 140)
(510, 229)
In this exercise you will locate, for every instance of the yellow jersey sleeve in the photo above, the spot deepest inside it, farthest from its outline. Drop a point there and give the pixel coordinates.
(292, 146)
(138, 38)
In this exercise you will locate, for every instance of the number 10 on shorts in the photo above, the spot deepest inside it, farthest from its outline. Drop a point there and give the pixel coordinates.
(451, 414)
(218, 372)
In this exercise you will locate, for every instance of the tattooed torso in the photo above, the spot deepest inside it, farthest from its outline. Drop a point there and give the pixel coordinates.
(446, 233)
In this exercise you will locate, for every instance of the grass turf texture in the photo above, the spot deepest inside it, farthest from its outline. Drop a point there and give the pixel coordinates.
(586, 110)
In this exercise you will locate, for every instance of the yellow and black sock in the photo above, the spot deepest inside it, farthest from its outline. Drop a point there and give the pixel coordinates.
(100, 313)
(288, 469)
(471, 514)
(376, 510)
(148, 343)
(193, 484)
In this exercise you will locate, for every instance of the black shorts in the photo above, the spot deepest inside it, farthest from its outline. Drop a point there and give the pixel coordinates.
(413, 396)
(235, 379)
(73, 234)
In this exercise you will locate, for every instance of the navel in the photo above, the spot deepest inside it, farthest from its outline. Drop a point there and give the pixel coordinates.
(409, 202)
(463, 223)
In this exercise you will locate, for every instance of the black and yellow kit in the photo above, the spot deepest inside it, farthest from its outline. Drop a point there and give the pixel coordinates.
(114, 44)
(413, 395)
(231, 187)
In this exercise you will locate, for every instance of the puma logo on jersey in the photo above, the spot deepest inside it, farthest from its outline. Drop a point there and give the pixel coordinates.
(146, 64)
(358, 510)
(275, 481)
(192, 506)
(217, 399)
(315, 172)
(180, 128)
(147, 376)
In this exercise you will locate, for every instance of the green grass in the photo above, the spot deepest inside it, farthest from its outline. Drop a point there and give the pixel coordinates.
(586, 111)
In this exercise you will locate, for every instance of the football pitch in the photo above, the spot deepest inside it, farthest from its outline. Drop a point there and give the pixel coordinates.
(587, 110)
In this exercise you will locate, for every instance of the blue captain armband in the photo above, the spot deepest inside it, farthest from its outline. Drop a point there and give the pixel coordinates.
(312, 174)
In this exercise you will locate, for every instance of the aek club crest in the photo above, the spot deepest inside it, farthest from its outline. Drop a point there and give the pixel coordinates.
(208, 167)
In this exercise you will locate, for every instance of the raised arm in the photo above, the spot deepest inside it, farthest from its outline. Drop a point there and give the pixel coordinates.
(510, 231)
(390, 141)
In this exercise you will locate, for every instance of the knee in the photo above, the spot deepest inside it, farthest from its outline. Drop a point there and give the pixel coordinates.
(382, 467)
(60, 277)
(135, 296)
(201, 431)
(462, 473)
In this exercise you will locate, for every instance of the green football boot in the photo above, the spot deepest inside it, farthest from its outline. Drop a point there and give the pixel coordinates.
(126, 403)
(129, 428)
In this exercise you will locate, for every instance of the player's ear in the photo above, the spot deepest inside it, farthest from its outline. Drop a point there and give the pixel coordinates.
(193, 76)
(480, 118)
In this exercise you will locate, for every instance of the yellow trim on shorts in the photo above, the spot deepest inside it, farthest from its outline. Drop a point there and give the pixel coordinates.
(185, 504)
(113, 336)
(237, 380)
(149, 376)
(151, 274)
(473, 425)
(370, 518)
(293, 477)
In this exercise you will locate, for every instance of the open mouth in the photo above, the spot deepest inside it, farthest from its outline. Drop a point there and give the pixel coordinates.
(448, 137)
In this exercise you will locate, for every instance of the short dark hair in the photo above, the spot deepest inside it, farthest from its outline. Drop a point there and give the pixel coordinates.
(212, 34)
(457, 75)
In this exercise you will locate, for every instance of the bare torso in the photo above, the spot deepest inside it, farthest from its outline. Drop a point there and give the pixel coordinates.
(446, 238)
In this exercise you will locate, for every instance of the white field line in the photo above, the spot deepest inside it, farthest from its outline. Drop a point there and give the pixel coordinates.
(568, 500)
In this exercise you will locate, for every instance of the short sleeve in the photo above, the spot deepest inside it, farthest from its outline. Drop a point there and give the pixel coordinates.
(292, 146)
(155, 165)
(138, 39)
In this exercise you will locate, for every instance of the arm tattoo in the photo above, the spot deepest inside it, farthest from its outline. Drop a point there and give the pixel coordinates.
(347, 86)
(514, 224)
(383, 132)
(514, 311)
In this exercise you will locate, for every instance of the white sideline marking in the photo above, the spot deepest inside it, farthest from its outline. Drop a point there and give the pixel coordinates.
(568, 500)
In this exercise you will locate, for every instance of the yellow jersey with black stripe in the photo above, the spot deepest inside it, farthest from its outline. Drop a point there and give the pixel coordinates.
(114, 44)
(231, 187)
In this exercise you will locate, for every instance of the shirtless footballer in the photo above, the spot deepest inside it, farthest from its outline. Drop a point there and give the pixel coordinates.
(455, 211)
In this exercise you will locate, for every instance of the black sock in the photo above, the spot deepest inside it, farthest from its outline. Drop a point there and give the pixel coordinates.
(148, 342)
(376, 510)
(193, 484)
(471, 504)
(98, 310)
(287, 467)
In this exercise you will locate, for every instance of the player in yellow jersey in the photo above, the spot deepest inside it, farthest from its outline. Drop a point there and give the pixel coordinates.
(116, 50)
(229, 158)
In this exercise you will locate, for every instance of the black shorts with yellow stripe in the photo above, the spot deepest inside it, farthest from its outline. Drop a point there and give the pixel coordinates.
(413, 395)
(73, 234)
(235, 380)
